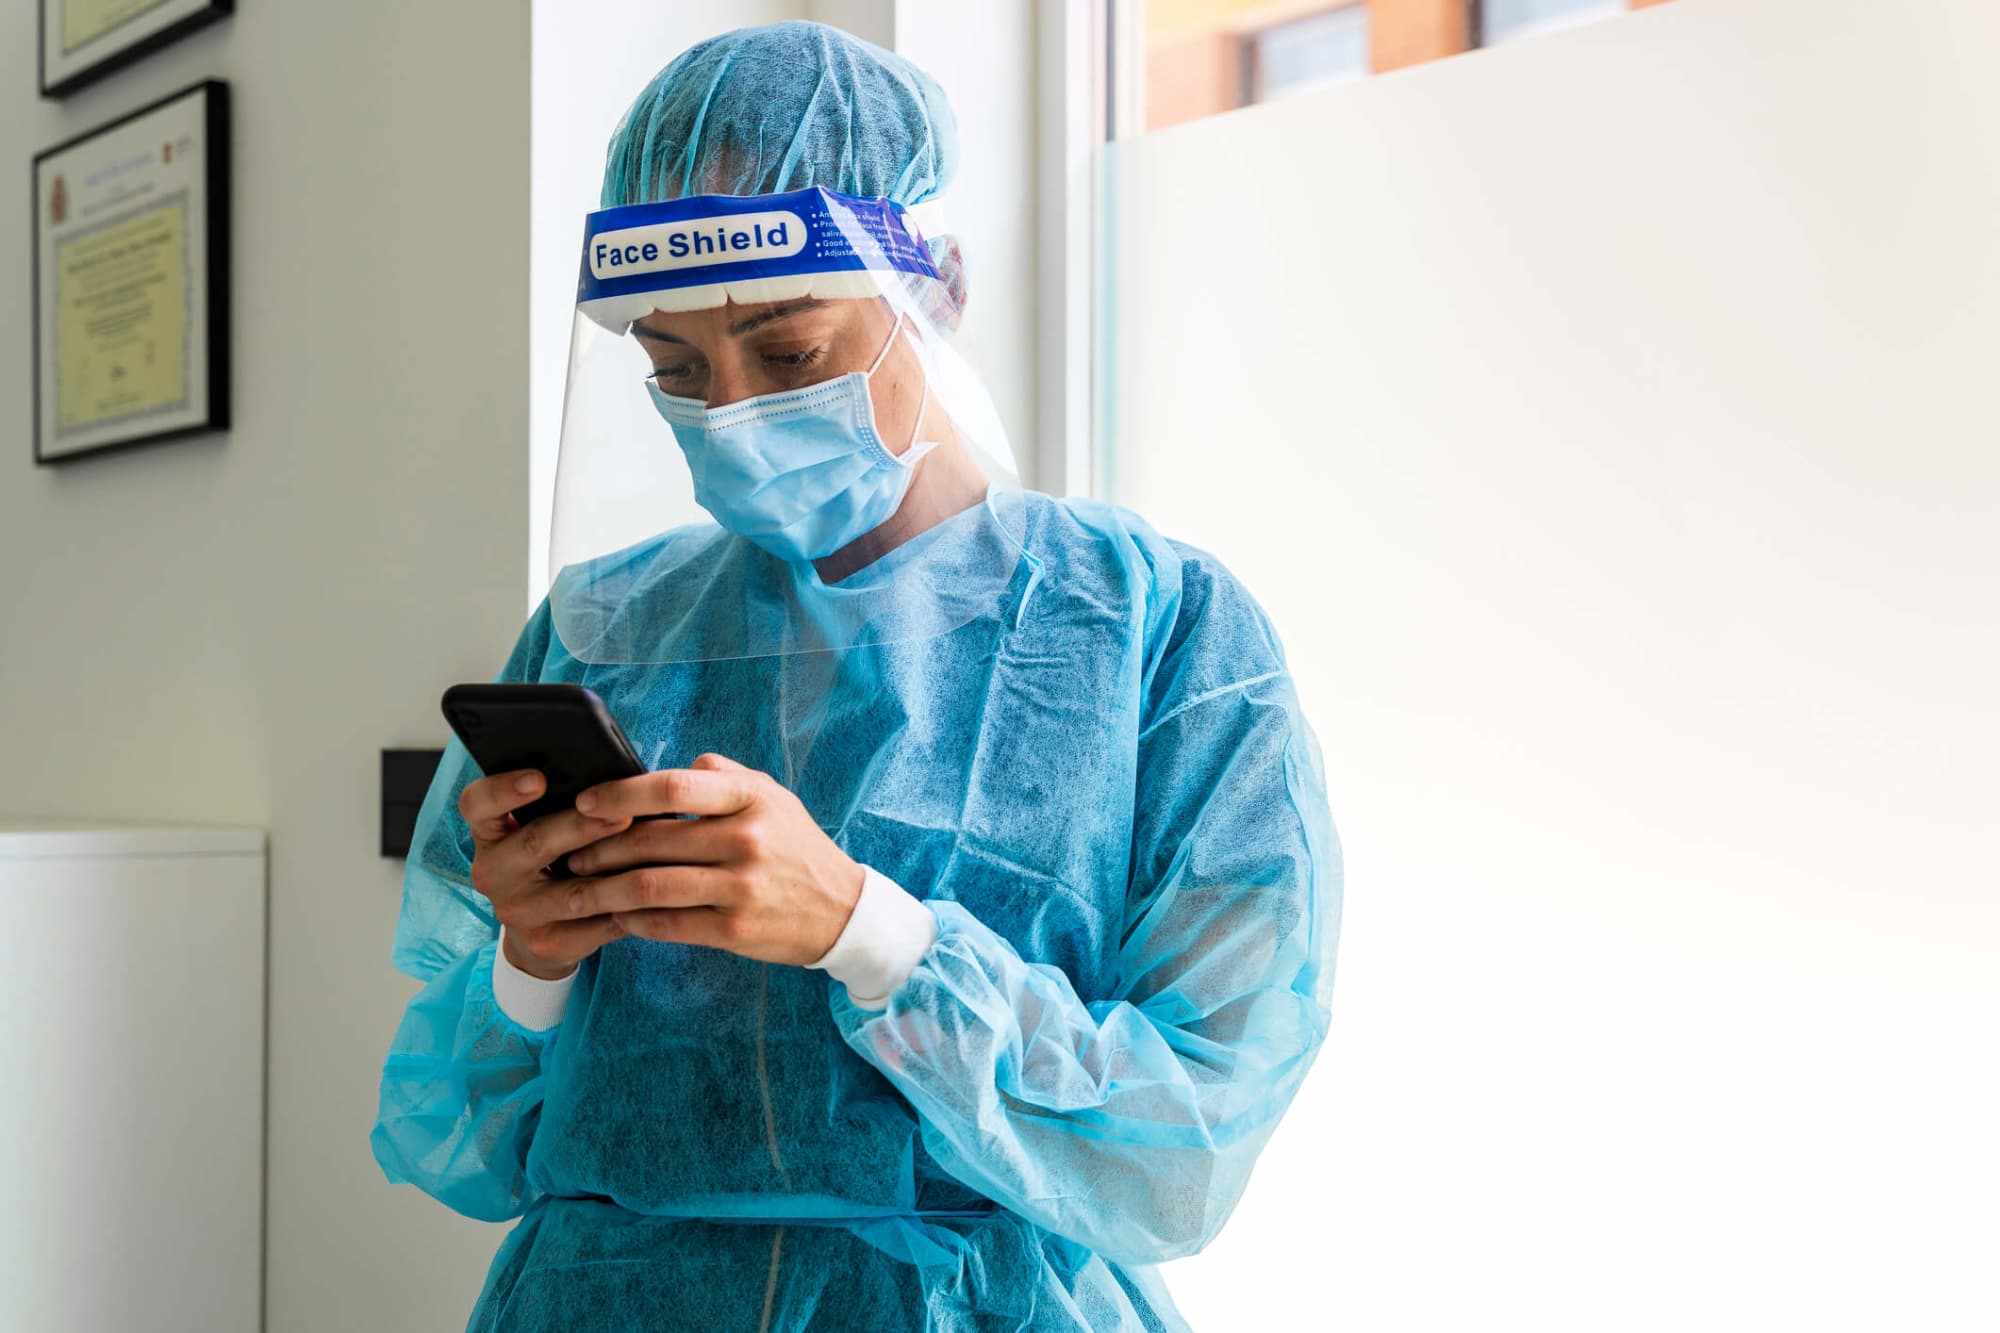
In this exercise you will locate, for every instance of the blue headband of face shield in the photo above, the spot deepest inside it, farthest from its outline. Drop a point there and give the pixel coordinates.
(699, 252)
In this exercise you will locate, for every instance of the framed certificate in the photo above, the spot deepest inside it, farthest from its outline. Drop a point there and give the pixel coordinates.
(131, 279)
(84, 40)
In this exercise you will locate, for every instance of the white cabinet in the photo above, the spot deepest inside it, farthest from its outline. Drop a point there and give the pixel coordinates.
(132, 1102)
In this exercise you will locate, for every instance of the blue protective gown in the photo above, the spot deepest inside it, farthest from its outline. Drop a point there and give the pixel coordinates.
(1106, 793)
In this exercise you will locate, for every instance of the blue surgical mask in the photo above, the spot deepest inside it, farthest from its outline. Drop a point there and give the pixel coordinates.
(801, 473)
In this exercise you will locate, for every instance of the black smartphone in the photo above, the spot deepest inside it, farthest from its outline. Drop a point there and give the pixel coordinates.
(563, 731)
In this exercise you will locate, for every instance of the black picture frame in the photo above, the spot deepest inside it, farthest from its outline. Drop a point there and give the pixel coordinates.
(116, 55)
(214, 288)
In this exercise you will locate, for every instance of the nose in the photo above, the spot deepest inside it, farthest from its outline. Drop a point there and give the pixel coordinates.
(726, 386)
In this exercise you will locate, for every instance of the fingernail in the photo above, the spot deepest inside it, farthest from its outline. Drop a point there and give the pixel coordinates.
(526, 783)
(587, 802)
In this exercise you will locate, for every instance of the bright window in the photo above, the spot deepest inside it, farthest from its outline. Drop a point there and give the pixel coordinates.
(1506, 20)
(1202, 57)
(1307, 53)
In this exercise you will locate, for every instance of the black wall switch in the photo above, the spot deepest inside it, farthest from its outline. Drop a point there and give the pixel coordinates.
(406, 776)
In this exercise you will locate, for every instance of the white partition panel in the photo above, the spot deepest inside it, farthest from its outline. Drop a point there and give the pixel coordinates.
(1608, 423)
(132, 984)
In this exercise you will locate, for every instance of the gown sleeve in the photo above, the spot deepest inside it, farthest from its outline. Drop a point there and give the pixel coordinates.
(1129, 1124)
(462, 1086)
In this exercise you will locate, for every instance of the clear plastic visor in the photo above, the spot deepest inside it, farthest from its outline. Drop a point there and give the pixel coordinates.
(768, 454)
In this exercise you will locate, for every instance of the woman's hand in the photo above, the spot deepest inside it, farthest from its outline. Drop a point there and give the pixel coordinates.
(753, 874)
(543, 938)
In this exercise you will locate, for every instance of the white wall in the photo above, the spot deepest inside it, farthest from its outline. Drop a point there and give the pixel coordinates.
(1607, 421)
(229, 629)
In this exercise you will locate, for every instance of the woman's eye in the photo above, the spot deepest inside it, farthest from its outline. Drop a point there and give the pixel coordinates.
(795, 360)
(672, 374)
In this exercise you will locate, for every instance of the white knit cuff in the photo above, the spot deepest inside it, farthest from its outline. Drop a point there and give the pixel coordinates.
(529, 1001)
(882, 943)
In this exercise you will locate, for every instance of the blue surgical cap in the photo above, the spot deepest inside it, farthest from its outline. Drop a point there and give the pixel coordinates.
(784, 107)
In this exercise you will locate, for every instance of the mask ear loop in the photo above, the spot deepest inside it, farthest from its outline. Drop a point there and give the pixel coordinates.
(911, 454)
(887, 343)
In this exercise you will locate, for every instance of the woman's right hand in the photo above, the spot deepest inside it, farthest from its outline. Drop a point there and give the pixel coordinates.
(508, 866)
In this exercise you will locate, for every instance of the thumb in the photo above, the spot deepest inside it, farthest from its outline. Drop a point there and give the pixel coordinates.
(716, 763)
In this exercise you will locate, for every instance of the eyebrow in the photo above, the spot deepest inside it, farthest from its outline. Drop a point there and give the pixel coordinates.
(741, 326)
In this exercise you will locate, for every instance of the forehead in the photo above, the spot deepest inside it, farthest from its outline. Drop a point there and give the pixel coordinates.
(739, 319)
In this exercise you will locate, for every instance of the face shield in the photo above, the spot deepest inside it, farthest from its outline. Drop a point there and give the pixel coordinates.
(769, 445)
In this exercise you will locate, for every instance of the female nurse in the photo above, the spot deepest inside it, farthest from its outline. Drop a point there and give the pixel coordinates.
(976, 923)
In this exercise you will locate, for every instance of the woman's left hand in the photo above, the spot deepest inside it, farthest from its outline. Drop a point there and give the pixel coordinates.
(753, 874)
